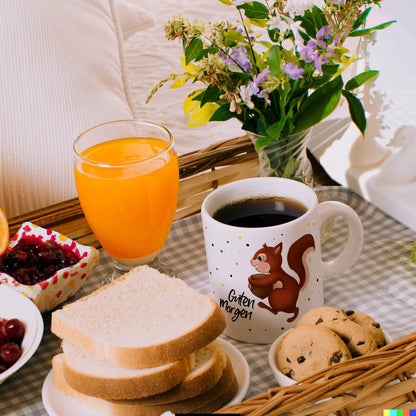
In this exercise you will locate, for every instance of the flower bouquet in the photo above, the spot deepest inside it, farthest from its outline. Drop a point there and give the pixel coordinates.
(278, 69)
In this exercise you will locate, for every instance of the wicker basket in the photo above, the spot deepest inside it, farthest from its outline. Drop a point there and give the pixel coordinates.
(204, 170)
(362, 386)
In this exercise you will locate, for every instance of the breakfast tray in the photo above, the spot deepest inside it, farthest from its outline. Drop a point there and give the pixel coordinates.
(382, 282)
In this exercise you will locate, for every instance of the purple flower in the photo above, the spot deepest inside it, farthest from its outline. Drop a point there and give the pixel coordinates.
(240, 57)
(338, 1)
(292, 70)
(254, 86)
(325, 32)
(261, 78)
(319, 61)
(309, 53)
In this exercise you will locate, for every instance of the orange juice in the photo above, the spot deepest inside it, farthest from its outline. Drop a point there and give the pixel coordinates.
(128, 194)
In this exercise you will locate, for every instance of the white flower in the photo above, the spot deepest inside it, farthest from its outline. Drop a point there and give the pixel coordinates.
(294, 27)
(245, 94)
(297, 7)
(278, 23)
(284, 25)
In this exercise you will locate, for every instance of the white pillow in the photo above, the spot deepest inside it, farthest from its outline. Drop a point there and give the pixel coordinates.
(62, 71)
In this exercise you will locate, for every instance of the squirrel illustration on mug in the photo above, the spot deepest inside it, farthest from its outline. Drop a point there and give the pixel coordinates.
(281, 289)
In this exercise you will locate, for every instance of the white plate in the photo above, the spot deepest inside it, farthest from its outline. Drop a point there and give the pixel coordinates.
(15, 305)
(57, 403)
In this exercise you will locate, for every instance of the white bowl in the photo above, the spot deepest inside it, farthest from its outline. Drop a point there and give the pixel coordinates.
(278, 375)
(282, 379)
(15, 305)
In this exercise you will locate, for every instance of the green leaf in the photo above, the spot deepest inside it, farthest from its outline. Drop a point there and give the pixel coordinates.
(304, 36)
(261, 142)
(222, 113)
(274, 130)
(234, 35)
(210, 94)
(360, 79)
(193, 50)
(258, 22)
(227, 2)
(364, 32)
(361, 19)
(273, 59)
(205, 52)
(319, 17)
(319, 105)
(309, 26)
(274, 35)
(356, 111)
(255, 10)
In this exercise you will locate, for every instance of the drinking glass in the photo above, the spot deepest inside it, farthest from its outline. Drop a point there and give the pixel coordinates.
(127, 178)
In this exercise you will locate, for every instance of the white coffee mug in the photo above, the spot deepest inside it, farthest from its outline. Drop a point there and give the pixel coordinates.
(265, 278)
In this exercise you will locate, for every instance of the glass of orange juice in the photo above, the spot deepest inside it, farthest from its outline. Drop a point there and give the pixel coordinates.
(127, 179)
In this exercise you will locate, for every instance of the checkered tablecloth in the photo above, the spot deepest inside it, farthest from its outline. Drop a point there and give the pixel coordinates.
(382, 283)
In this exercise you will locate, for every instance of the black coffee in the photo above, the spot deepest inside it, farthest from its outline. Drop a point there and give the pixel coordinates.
(260, 212)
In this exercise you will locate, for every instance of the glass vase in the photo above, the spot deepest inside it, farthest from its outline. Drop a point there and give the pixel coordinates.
(286, 157)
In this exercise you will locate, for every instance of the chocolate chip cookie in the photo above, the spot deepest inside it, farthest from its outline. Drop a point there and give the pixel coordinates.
(321, 315)
(358, 338)
(368, 322)
(310, 348)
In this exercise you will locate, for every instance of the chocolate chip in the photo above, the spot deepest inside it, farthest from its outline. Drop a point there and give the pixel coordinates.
(288, 360)
(301, 359)
(290, 373)
(336, 358)
(349, 312)
(319, 321)
(377, 325)
(360, 342)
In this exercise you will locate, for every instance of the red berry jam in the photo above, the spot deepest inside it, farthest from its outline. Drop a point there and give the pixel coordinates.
(33, 260)
(11, 336)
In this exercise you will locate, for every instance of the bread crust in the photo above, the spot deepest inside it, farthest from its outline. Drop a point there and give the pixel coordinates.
(208, 401)
(141, 356)
(193, 385)
(162, 379)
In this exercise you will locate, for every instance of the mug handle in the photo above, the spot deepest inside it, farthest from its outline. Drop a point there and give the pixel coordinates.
(354, 243)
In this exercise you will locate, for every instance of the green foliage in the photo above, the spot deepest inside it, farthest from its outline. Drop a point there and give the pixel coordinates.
(276, 71)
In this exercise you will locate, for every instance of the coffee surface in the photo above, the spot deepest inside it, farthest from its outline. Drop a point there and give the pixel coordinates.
(260, 212)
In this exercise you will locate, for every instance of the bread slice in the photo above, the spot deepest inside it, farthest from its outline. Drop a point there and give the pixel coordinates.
(210, 362)
(142, 319)
(213, 399)
(100, 378)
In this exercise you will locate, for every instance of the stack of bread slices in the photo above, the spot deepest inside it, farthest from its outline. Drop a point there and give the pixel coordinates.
(143, 345)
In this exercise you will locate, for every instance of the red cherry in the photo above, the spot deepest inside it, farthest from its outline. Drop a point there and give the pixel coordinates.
(10, 352)
(13, 330)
